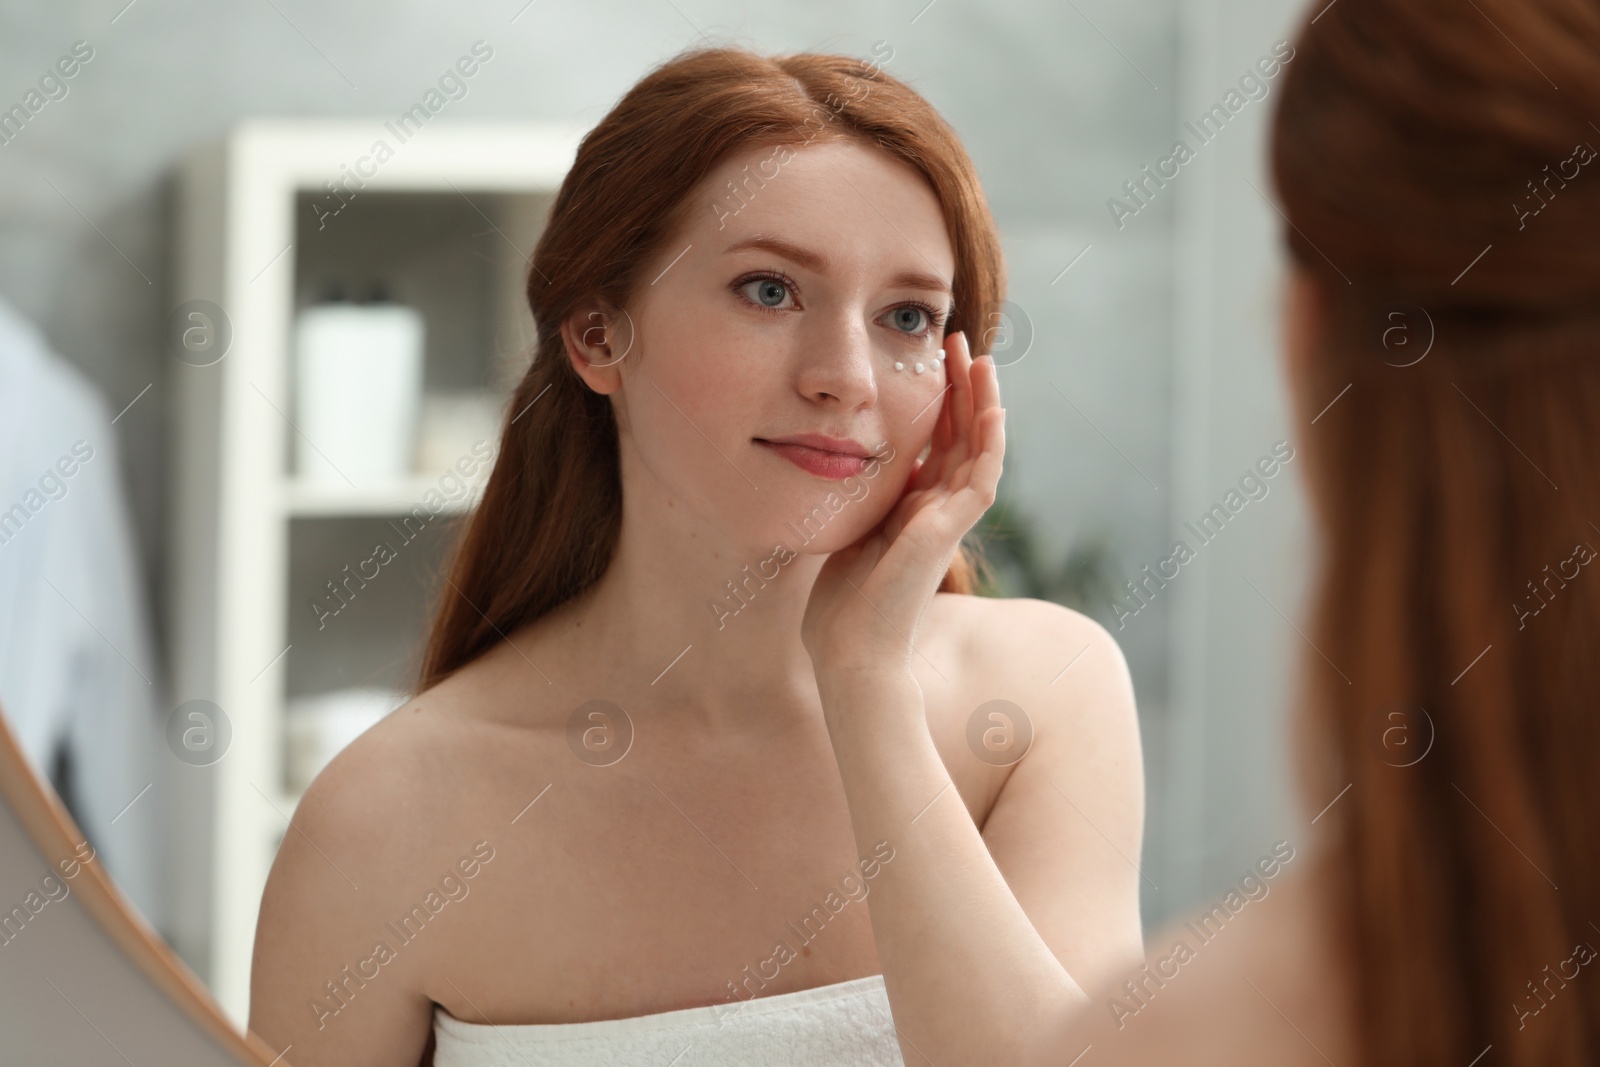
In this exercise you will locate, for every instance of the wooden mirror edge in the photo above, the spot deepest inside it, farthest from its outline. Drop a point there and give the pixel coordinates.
(55, 834)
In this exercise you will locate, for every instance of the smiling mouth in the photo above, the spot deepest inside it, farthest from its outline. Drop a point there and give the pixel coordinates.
(817, 461)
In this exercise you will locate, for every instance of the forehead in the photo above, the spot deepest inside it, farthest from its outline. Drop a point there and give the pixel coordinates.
(856, 204)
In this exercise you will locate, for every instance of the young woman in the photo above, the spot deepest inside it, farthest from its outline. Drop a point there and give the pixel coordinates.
(611, 824)
(1443, 346)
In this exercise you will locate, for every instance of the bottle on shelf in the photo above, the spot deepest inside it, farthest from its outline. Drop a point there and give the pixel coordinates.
(358, 389)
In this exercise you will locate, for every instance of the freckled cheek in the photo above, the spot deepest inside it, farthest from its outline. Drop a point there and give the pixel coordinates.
(911, 404)
(716, 390)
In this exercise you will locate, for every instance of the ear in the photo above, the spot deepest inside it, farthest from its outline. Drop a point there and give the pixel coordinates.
(597, 337)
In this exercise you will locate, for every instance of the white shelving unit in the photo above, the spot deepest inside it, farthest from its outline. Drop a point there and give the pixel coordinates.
(448, 221)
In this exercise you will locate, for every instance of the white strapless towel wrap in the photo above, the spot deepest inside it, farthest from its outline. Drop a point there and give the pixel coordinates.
(846, 1024)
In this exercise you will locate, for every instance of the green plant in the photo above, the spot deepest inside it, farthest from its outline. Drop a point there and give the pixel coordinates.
(1012, 563)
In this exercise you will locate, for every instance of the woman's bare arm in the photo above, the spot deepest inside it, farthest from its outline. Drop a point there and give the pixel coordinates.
(1264, 987)
(1067, 827)
(969, 973)
(319, 982)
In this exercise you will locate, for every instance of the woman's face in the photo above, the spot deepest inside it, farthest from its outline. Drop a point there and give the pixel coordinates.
(781, 312)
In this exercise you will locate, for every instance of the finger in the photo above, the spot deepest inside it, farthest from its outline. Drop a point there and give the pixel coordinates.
(945, 514)
(917, 467)
(949, 453)
(960, 403)
(982, 474)
(933, 468)
(985, 387)
(920, 533)
(941, 427)
(989, 463)
(949, 492)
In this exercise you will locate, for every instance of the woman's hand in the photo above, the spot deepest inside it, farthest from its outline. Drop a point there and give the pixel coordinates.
(966, 971)
(869, 598)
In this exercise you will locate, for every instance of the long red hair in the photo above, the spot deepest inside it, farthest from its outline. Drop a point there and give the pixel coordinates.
(1434, 182)
(551, 510)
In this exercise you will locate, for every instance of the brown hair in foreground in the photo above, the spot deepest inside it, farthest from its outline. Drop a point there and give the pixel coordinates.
(548, 522)
(1459, 498)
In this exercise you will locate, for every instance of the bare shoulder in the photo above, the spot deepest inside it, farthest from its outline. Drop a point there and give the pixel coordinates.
(1023, 630)
(414, 769)
(319, 917)
(380, 777)
(1054, 662)
(1042, 726)
(416, 782)
(407, 800)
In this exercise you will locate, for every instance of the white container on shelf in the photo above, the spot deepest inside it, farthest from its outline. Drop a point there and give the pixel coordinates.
(236, 500)
(358, 387)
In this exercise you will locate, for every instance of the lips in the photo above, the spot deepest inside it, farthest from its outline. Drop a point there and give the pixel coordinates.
(821, 442)
(819, 454)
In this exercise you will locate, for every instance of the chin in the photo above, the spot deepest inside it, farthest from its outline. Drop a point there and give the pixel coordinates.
(825, 519)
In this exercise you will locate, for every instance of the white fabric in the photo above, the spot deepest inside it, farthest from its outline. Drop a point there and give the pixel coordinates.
(846, 1024)
(75, 660)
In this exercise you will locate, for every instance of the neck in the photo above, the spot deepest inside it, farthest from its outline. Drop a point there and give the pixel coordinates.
(703, 630)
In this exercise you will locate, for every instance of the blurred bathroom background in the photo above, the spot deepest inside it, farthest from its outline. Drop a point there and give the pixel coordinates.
(1139, 353)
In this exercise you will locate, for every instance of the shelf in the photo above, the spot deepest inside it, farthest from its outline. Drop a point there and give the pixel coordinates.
(267, 599)
(302, 500)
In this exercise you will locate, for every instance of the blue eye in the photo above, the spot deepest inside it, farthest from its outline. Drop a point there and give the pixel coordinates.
(769, 292)
(909, 318)
(917, 320)
(914, 320)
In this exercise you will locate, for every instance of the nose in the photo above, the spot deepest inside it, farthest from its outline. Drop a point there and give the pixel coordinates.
(837, 361)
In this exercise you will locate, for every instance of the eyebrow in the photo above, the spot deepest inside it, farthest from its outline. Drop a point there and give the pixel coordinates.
(816, 261)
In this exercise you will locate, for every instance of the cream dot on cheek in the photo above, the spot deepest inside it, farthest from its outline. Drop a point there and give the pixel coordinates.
(919, 366)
